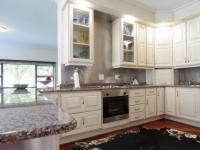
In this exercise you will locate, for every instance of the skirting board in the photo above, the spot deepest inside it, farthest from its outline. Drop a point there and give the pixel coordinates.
(72, 138)
(182, 120)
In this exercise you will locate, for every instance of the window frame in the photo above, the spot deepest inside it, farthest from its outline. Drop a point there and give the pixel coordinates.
(36, 64)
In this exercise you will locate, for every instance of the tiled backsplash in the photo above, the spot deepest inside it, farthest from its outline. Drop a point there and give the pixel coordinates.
(103, 57)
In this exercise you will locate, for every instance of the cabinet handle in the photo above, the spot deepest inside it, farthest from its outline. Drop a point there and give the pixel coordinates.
(147, 102)
(177, 93)
(158, 94)
(188, 59)
(83, 101)
(185, 59)
(137, 101)
(83, 121)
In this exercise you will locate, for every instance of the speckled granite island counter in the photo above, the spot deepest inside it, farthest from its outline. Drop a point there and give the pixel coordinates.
(33, 126)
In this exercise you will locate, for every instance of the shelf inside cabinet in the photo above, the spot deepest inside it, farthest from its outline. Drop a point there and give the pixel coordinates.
(131, 36)
(80, 25)
(79, 43)
(128, 51)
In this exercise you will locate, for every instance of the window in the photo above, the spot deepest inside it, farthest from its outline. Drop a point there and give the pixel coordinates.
(15, 76)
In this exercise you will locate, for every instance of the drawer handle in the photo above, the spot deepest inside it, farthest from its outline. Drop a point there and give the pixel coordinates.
(137, 109)
(137, 117)
(137, 101)
(83, 121)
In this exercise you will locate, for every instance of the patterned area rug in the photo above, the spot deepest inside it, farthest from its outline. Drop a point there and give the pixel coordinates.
(144, 139)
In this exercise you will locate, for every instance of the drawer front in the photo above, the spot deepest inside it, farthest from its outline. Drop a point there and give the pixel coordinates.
(137, 116)
(137, 100)
(138, 92)
(72, 104)
(137, 108)
(151, 91)
(92, 102)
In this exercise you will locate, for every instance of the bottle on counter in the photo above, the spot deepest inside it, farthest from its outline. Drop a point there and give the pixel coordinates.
(76, 79)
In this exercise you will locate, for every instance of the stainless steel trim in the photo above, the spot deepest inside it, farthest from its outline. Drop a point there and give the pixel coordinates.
(115, 118)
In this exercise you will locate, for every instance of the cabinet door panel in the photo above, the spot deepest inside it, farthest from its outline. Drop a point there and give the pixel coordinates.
(141, 44)
(137, 108)
(160, 101)
(150, 46)
(92, 120)
(151, 106)
(170, 101)
(193, 28)
(179, 45)
(92, 102)
(188, 103)
(163, 46)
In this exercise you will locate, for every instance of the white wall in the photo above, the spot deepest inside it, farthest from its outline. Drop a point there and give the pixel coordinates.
(30, 52)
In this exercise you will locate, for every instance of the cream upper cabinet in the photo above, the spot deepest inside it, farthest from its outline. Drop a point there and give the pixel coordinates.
(188, 103)
(77, 42)
(170, 103)
(150, 47)
(141, 44)
(123, 44)
(160, 101)
(163, 47)
(179, 45)
(193, 41)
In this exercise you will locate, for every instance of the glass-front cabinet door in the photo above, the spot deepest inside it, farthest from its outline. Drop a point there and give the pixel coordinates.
(78, 39)
(123, 44)
(128, 37)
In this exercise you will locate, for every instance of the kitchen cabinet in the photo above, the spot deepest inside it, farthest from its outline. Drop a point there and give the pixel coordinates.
(188, 103)
(150, 47)
(180, 57)
(85, 107)
(137, 104)
(193, 41)
(141, 45)
(77, 42)
(123, 44)
(170, 104)
(86, 121)
(160, 101)
(81, 102)
(151, 102)
(163, 47)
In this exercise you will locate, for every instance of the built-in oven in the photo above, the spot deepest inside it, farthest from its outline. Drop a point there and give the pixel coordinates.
(115, 105)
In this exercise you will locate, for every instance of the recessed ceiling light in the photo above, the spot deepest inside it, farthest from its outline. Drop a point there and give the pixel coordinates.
(3, 28)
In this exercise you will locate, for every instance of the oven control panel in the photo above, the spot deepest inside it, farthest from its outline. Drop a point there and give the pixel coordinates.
(114, 92)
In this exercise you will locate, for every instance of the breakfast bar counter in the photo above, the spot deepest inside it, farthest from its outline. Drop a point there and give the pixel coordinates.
(29, 125)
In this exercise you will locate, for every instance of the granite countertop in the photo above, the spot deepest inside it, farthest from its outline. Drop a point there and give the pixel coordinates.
(111, 86)
(98, 87)
(33, 120)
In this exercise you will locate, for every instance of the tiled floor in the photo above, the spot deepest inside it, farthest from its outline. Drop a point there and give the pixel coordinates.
(156, 125)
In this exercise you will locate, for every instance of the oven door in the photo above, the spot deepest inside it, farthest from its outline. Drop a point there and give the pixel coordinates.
(115, 108)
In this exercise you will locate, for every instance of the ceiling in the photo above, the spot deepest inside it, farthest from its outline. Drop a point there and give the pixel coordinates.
(161, 4)
(30, 22)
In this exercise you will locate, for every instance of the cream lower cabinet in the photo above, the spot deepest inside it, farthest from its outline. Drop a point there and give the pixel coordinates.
(188, 103)
(85, 107)
(137, 104)
(151, 102)
(170, 104)
(160, 101)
